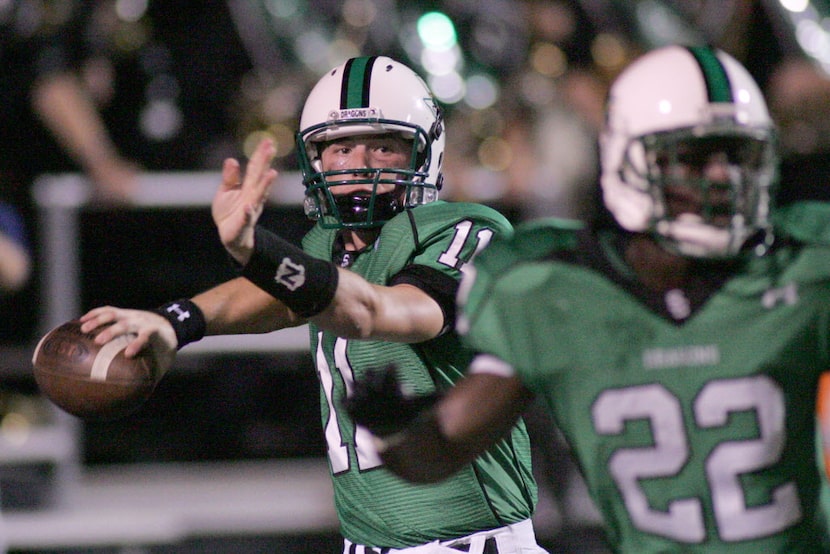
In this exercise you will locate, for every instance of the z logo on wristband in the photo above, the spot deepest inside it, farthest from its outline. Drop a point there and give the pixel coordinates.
(289, 274)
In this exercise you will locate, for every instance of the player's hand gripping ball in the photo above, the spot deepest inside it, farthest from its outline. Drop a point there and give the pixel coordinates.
(91, 381)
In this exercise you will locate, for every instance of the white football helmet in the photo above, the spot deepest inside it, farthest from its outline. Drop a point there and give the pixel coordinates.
(370, 95)
(669, 101)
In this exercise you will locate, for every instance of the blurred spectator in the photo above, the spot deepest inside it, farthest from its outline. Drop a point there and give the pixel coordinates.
(48, 123)
(62, 104)
(171, 77)
(532, 153)
(799, 92)
(799, 101)
(528, 157)
(15, 254)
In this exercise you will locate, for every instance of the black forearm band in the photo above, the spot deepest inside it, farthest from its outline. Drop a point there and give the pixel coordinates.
(186, 318)
(303, 283)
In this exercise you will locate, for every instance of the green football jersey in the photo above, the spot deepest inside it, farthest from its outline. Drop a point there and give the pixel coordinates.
(806, 221)
(692, 436)
(375, 507)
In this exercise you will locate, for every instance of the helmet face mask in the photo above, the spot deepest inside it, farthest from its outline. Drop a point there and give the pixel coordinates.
(370, 96)
(671, 115)
(693, 214)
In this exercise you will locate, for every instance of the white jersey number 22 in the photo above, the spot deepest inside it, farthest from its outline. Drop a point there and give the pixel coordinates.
(683, 520)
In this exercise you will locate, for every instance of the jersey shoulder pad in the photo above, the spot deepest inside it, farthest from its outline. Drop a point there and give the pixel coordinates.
(801, 263)
(810, 264)
(805, 221)
(442, 214)
(531, 241)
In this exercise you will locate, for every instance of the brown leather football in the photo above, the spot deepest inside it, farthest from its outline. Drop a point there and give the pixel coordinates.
(91, 381)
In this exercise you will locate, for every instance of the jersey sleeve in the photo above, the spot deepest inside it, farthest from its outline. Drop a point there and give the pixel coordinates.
(449, 248)
(447, 237)
(805, 221)
(499, 296)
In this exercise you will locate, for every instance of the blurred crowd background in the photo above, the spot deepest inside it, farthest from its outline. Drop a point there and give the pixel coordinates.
(116, 89)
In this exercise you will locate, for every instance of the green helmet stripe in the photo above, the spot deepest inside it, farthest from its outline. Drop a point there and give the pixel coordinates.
(356, 78)
(714, 74)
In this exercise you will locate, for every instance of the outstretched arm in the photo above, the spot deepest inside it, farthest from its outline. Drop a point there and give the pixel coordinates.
(431, 446)
(336, 299)
(353, 308)
(233, 307)
(61, 102)
(361, 310)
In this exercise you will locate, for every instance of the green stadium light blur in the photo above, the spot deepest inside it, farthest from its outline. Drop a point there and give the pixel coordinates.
(436, 31)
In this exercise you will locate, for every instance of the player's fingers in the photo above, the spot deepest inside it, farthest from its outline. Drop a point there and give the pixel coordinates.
(259, 174)
(103, 336)
(95, 313)
(116, 323)
(137, 344)
(250, 215)
(96, 318)
(263, 154)
(230, 174)
(269, 179)
(106, 334)
(258, 196)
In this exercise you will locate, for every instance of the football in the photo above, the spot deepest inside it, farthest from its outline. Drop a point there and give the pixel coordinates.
(91, 381)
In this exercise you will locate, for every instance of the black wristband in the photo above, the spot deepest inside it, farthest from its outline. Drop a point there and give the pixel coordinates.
(302, 282)
(187, 320)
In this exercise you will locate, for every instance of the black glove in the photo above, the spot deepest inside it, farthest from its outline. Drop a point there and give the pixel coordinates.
(378, 403)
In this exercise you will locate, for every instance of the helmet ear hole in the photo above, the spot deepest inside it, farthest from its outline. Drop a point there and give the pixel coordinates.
(311, 208)
(313, 150)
